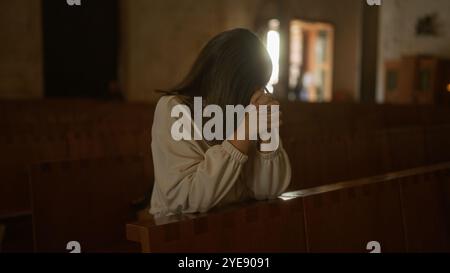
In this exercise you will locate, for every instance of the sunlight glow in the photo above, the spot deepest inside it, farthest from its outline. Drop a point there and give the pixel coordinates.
(273, 47)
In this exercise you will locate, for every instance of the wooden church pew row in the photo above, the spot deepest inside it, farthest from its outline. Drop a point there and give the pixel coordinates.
(17, 152)
(313, 168)
(44, 111)
(85, 144)
(368, 154)
(97, 143)
(354, 117)
(2, 235)
(141, 140)
(342, 217)
(18, 232)
(86, 201)
(323, 159)
(61, 113)
(51, 144)
(395, 116)
(437, 138)
(346, 220)
(241, 228)
(426, 212)
(389, 209)
(435, 115)
(406, 147)
(369, 122)
(317, 159)
(322, 116)
(50, 148)
(304, 155)
(14, 190)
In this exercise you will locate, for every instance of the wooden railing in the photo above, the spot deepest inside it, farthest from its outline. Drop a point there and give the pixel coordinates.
(406, 211)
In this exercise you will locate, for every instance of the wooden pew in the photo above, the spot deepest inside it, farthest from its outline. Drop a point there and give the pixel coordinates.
(393, 209)
(347, 219)
(318, 160)
(35, 131)
(15, 207)
(426, 214)
(323, 159)
(242, 228)
(341, 217)
(86, 201)
(406, 148)
(2, 235)
(326, 143)
(107, 142)
(341, 116)
(368, 154)
(18, 151)
(437, 139)
(18, 232)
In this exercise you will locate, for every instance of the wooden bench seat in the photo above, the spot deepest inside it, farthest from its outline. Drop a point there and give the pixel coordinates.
(342, 217)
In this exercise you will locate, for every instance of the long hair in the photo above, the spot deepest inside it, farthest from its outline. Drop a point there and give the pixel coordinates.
(229, 69)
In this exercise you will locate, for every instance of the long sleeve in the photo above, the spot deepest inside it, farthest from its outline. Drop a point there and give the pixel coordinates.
(269, 174)
(189, 177)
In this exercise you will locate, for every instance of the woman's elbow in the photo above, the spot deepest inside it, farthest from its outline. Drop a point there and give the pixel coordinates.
(200, 202)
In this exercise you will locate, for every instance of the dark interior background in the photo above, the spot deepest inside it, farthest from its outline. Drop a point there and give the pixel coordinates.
(80, 48)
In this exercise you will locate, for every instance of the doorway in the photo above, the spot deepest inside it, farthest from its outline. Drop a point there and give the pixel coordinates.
(80, 48)
(311, 61)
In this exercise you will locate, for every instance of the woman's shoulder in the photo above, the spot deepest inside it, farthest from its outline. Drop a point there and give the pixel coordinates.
(165, 105)
(168, 100)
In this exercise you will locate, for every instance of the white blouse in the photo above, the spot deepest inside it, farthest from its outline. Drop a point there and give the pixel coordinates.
(191, 176)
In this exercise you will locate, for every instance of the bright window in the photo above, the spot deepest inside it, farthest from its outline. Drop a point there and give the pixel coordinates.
(273, 47)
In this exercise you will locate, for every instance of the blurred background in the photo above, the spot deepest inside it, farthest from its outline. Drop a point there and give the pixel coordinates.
(323, 50)
(364, 87)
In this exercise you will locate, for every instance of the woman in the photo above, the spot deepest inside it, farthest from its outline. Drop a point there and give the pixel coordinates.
(196, 175)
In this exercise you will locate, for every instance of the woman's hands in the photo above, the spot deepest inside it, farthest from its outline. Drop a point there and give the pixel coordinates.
(272, 120)
(261, 98)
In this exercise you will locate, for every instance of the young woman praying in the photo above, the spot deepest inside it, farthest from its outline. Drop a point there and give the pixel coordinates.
(196, 175)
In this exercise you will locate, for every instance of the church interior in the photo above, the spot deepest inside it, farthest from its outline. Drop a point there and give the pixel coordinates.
(364, 86)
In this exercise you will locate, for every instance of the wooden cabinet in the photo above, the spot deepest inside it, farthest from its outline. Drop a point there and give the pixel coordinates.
(417, 80)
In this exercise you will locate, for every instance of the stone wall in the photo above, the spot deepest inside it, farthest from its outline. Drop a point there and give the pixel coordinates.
(20, 49)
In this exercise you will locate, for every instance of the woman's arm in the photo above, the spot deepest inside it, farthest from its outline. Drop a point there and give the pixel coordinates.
(187, 179)
(269, 175)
